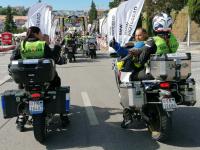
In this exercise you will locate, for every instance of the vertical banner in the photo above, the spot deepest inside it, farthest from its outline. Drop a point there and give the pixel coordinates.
(40, 15)
(104, 30)
(111, 23)
(53, 30)
(48, 20)
(120, 21)
(101, 24)
(134, 8)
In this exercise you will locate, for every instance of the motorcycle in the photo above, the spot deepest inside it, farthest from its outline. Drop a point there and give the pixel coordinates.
(92, 50)
(154, 100)
(63, 55)
(70, 52)
(38, 103)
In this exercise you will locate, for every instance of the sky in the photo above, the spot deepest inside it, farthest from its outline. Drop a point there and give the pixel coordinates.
(59, 4)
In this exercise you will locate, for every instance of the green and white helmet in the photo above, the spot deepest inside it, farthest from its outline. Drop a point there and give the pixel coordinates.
(162, 23)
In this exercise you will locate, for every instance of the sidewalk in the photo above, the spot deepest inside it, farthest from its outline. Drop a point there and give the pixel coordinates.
(194, 47)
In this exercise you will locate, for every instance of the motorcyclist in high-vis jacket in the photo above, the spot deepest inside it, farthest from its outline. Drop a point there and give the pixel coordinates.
(34, 47)
(162, 42)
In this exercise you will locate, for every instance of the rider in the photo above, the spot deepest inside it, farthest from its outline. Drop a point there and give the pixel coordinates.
(35, 40)
(69, 41)
(131, 63)
(140, 37)
(163, 42)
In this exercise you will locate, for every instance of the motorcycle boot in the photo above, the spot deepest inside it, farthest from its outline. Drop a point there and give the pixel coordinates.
(127, 118)
(21, 121)
(64, 120)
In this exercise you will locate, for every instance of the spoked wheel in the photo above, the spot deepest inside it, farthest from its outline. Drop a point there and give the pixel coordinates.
(160, 123)
(39, 127)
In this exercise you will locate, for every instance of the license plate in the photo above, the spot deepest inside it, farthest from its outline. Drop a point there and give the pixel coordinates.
(169, 104)
(36, 107)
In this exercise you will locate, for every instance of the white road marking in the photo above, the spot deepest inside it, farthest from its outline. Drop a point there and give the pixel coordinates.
(89, 110)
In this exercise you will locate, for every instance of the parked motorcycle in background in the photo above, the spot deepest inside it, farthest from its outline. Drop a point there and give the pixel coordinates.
(70, 53)
(92, 50)
(38, 102)
(156, 99)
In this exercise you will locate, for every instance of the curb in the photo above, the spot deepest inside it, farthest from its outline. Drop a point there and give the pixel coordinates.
(5, 49)
(6, 78)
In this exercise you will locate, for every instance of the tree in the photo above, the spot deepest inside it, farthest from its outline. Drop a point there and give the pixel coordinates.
(115, 3)
(194, 10)
(9, 24)
(92, 13)
(39, 1)
(151, 7)
(15, 11)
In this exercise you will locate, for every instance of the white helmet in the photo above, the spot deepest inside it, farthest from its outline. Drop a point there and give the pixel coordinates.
(162, 23)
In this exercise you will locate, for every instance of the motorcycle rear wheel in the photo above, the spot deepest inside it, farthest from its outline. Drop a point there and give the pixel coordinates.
(160, 123)
(39, 128)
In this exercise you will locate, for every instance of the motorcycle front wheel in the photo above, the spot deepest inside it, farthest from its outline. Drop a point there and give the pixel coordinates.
(160, 123)
(39, 127)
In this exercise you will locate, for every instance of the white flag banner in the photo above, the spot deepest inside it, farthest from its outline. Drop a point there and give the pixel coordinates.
(111, 24)
(120, 21)
(53, 30)
(101, 24)
(40, 15)
(48, 20)
(134, 8)
(104, 29)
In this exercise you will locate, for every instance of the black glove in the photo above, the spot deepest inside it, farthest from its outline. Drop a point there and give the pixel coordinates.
(60, 61)
(9, 72)
(112, 43)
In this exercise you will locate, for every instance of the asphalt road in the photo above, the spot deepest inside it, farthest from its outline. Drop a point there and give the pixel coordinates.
(96, 114)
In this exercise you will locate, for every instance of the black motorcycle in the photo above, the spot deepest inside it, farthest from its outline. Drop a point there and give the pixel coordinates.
(38, 102)
(70, 53)
(92, 50)
(70, 49)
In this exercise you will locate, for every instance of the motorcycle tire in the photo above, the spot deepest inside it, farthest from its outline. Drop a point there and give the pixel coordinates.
(21, 128)
(39, 128)
(160, 124)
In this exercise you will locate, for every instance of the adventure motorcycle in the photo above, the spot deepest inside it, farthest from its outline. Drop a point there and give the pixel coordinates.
(154, 100)
(38, 100)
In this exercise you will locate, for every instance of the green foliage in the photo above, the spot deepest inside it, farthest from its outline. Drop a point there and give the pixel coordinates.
(92, 13)
(115, 3)
(194, 10)
(9, 24)
(151, 7)
(21, 30)
(16, 11)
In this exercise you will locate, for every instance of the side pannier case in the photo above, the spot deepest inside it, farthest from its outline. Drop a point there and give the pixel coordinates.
(131, 93)
(10, 101)
(60, 101)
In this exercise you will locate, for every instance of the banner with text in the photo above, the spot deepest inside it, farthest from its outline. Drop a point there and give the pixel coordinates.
(134, 8)
(40, 15)
(111, 23)
(120, 21)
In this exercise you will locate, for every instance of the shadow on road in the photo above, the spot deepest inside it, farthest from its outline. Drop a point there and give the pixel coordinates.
(107, 135)
(186, 123)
